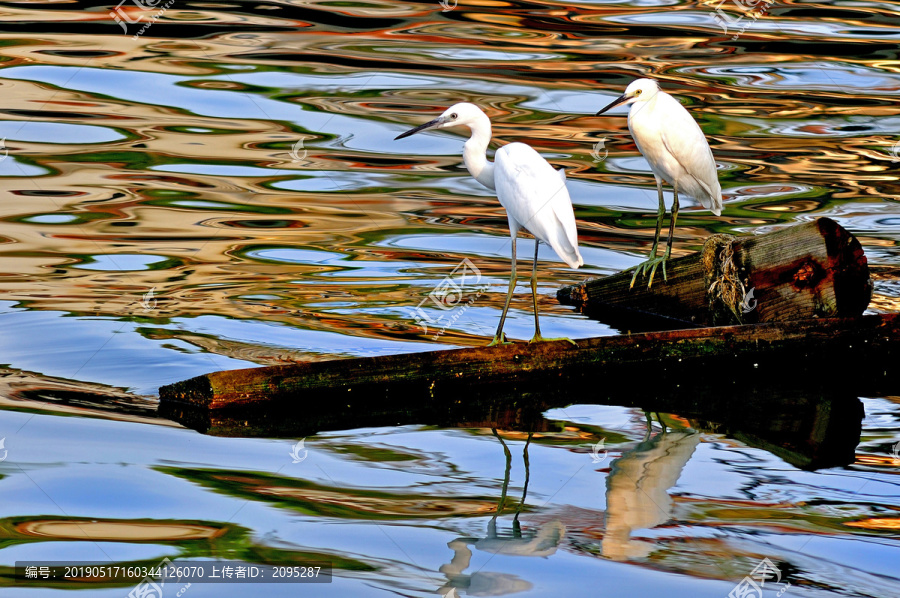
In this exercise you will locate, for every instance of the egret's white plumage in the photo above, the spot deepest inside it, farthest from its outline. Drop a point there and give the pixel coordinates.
(676, 149)
(672, 142)
(536, 199)
(533, 193)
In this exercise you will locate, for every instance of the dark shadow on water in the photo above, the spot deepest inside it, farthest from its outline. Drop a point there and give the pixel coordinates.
(811, 429)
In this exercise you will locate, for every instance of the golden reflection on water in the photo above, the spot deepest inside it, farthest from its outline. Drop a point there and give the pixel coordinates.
(189, 162)
(170, 162)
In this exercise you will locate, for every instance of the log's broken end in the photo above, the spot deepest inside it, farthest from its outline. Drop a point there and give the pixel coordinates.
(810, 270)
(575, 294)
(849, 267)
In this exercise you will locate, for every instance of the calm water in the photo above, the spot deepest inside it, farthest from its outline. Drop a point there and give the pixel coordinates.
(172, 163)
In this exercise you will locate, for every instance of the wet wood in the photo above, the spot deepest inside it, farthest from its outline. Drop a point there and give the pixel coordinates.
(379, 388)
(811, 270)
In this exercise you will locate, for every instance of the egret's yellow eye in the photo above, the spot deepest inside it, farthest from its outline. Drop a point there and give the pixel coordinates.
(453, 116)
(637, 92)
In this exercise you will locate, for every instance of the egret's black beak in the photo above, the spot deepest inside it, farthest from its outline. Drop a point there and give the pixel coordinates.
(432, 123)
(613, 104)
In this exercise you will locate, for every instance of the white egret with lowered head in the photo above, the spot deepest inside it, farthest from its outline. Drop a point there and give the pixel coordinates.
(532, 192)
(678, 153)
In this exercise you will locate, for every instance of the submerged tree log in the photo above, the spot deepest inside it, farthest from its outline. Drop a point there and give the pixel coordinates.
(811, 270)
(377, 387)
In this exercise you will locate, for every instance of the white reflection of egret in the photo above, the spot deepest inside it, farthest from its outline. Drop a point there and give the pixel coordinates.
(637, 490)
(540, 542)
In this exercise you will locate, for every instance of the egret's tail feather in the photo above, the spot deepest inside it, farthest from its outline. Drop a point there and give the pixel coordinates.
(716, 206)
(709, 198)
(565, 244)
(569, 255)
(712, 203)
(574, 260)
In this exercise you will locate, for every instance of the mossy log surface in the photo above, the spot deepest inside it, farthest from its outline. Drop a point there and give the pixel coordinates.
(862, 348)
(811, 270)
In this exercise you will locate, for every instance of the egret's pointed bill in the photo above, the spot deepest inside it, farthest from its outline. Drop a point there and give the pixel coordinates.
(613, 104)
(432, 123)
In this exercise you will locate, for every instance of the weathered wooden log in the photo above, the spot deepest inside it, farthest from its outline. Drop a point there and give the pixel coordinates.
(811, 270)
(810, 350)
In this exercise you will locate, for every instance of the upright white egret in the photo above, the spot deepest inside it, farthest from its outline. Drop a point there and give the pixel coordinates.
(532, 192)
(678, 153)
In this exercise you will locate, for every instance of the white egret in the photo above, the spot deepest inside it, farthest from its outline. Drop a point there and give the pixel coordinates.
(678, 153)
(532, 192)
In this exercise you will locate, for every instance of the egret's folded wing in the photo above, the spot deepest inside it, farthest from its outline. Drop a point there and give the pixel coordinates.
(535, 196)
(684, 139)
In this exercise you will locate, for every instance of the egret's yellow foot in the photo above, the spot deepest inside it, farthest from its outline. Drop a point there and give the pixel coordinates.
(500, 339)
(540, 339)
(650, 265)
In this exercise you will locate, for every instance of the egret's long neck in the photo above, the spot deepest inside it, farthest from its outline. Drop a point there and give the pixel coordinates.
(475, 152)
(649, 103)
(642, 110)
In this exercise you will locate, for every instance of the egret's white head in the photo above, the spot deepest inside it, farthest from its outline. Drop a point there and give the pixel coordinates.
(639, 90)
(462, 114)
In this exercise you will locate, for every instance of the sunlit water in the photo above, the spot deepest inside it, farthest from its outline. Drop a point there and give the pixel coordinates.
(171, 163)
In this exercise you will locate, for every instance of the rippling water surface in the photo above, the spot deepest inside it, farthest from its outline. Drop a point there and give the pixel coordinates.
(223, 190)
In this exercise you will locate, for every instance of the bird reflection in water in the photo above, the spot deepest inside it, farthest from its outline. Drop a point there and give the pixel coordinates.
(637, 489)
(539, 542)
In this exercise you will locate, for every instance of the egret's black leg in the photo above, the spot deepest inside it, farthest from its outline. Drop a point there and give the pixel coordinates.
(653, 262)
(537, 324)
(500, 338)
(672, 226)
(537, 327)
